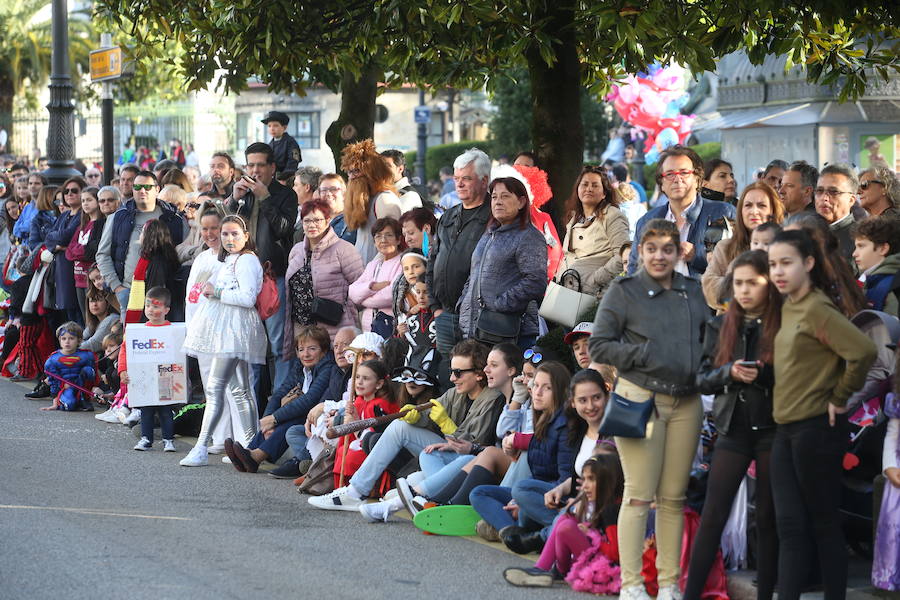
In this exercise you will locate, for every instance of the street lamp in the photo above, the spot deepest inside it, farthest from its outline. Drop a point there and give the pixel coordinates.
(61, 127)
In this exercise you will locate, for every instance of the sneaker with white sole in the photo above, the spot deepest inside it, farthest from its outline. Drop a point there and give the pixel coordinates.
(169, 446)
(391, 494)
(339, 499)
(107, 417)
(377, 511)
(217, 449)
(635, 592)
(197, 457)
(134, 417)
(225, 460)
(143, 444)
(669, 592)
(407, 496)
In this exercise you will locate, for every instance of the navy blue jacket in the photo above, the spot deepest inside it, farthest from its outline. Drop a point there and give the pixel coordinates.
(41, 223)
(552, 458)
(298, 408)
(123, 224)
(60, 234)
(701, 215)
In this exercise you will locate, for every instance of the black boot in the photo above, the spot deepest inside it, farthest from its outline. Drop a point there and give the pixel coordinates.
(520, 541)
(40, 391)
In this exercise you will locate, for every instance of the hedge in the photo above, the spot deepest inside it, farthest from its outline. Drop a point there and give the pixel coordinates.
(443, 155)
(706, 151)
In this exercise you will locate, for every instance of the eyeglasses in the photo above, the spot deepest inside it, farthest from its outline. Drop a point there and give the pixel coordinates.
(532, 355)
(192, 206)
(92, 175)
(830, 192)
(144, 186)
(313, 221)
(385, 236)
(329, 190)
(457, 373)
(72, 191)
(865, 184)
(683, 174)
(106, 200)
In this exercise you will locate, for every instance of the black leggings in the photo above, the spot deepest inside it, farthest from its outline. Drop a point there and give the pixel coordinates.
(806, 481)
(725, 476)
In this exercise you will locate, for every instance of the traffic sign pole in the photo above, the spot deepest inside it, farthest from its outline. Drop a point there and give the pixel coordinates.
(106, 109)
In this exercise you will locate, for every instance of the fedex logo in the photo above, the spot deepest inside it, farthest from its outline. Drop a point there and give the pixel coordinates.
(148, 345)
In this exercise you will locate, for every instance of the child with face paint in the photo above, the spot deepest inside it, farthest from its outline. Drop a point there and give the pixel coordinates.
(415, 321)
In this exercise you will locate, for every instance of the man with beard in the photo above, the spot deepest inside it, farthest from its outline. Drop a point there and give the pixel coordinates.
(221, 174)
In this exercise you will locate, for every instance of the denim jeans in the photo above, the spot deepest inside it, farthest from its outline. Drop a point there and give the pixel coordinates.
(122, 297)
(275, 329)
(296, 439)
(488, 501)
(397, 436)
(166, 421)
(533, 514)
(446, 329)
(440, 468)
(275, 445)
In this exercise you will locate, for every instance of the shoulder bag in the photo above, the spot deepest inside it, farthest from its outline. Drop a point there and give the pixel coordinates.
(492, 326)
(267, 301)
(626, 418)
(564, 304)
(319, 479)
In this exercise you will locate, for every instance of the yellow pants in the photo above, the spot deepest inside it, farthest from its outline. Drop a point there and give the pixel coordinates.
(656, 468)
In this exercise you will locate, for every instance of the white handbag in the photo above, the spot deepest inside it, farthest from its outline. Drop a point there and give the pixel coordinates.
(564, 306)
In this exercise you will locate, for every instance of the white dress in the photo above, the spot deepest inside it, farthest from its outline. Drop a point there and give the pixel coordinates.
(230, 326)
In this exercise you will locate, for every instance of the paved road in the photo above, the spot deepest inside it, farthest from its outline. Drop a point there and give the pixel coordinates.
(84, 516)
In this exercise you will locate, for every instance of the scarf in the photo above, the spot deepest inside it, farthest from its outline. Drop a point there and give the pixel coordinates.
(135, 309)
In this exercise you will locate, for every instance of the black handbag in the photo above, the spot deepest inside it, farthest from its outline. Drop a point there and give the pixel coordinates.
(383, 325)
(626, 418)
(327, 311)
(492, 326)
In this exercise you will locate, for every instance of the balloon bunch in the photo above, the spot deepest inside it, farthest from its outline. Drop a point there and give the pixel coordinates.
(651, 102)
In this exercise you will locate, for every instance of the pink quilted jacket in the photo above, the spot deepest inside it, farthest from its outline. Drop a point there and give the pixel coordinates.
(371, 302)
(335, 265)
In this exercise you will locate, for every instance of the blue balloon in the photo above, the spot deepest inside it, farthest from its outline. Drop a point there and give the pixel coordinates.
(667, 137)
(654, 68)
(652, 155)
(672, 110)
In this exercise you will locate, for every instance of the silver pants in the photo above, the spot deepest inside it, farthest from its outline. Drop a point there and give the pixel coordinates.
(232, 374)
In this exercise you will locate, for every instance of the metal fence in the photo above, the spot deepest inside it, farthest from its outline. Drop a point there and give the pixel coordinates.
(137, 125)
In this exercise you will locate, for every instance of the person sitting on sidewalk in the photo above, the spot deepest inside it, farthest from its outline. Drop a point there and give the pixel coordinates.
(470, 403)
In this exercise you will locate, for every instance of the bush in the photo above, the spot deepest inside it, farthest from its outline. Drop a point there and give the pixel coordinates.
(706, 151)
(443, 155)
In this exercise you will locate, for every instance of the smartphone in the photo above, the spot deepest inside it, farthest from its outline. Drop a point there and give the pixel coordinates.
(748, 364)
(451, 438)
(249, 178)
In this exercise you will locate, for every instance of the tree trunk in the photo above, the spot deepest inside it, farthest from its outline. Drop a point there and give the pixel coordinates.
(556, 128)
(7, 94)
(357, 118)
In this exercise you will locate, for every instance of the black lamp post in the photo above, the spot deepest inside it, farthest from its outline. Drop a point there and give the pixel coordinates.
(61, 128)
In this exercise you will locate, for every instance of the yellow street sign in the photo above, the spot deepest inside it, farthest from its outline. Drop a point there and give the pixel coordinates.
(106, 64)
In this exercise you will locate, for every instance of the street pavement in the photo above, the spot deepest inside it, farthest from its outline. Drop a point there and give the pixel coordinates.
(82, 515)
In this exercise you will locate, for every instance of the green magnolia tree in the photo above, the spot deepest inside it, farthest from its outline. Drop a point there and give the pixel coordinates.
(565, 45)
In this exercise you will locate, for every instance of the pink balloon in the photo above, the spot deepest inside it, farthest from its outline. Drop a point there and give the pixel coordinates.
(652, 104)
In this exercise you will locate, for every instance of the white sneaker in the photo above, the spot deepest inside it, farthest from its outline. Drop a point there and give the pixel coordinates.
(133, 418)
(102, 416)
(225, 459)
(669, 592)
(218, 449)
(391, 494)
(108, 416)
(339, 499)
(407, 496)
(169, 446)
(122, 414)
(635, 592)
(197, 457)
(144, 444)
(378, 511)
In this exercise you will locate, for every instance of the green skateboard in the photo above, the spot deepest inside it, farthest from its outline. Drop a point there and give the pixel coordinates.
(448, 520)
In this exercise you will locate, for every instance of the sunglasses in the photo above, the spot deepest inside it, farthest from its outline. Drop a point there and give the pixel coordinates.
(457, 373)
(72, 191)
(865, 184)
(106, 200)
(144, 186)
(192, 205)
(533, 356)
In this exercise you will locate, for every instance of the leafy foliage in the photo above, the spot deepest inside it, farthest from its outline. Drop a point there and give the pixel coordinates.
(443, 155)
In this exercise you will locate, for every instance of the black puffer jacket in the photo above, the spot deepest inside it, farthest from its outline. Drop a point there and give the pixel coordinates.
(757, 396)
(450, 259)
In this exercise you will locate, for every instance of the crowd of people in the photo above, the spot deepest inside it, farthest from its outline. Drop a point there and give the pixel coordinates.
(386, 351)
